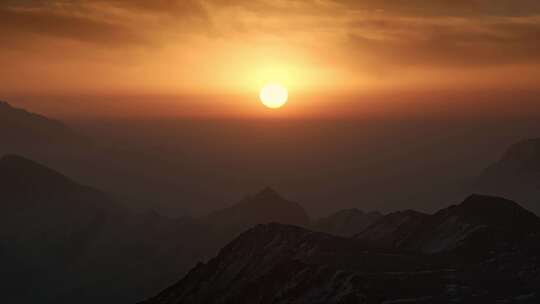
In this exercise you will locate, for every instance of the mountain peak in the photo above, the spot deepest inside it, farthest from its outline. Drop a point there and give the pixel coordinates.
(493, 210)
(22, 128)
(484, 203)
(264, 207)
(268, 193)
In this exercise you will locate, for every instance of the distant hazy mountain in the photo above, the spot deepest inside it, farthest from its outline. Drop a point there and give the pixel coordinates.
(264, 207)
(430, 263)
(346, 222)
(20, 129)
(516, 175)
(126, 173)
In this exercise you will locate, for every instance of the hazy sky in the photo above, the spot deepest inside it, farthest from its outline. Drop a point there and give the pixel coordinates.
(212, 56)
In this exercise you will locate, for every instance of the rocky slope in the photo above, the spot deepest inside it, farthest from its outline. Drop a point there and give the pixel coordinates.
(276, 263)
(346, 222)
(392, 229)
(478, 222)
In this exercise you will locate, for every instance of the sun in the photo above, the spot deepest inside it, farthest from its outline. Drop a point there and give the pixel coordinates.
(274, 95)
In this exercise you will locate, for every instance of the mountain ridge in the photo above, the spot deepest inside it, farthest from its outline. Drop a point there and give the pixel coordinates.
(275, 263)
(20, 127)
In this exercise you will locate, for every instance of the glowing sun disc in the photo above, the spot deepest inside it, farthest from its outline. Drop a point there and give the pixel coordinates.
(274, 95)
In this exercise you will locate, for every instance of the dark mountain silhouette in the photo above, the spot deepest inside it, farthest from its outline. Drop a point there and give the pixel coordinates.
(516, 175)
(264, 207)
(25, 180)
(346, 222)
(20, 129)
(428, 263)
(477, 224)
(126, 173)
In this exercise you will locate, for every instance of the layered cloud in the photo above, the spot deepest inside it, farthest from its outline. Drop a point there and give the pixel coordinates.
(107, 23)
(448, 40)
(431, 32)
(346, 40)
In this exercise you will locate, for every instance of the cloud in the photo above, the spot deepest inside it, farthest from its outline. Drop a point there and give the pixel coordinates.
(15, 23)
(107, 23)
(399, 32)
(452, 8)
(447, 41)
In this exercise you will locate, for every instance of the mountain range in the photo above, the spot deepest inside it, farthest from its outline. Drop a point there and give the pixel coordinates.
(128, 174)
(483, 250)
(74, 240)
(145, 168)
(62, 241)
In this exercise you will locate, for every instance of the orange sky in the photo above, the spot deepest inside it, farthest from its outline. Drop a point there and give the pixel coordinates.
(212, 56)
